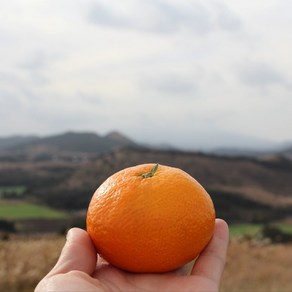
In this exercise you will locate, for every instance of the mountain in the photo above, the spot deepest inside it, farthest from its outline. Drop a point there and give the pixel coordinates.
(275, 153)
(210, 140)
(8, 142)
(286, 152)
(80, 142)
(118, 138)
(70, 145)
(77, 145)
(63, 171)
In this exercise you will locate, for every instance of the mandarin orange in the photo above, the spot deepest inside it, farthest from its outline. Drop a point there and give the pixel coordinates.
(150, 218)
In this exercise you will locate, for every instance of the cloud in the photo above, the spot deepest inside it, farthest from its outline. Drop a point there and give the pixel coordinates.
(90, 98)
(102, 15)
(17, 92)
(260, 74)
(36, 65)
(161, 16)
(36, 61)
(226, 19)
(169, 85)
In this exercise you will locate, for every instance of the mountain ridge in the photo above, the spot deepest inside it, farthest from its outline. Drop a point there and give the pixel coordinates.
(65, 143)
(93, 143)
(11, 141)
(243, 188)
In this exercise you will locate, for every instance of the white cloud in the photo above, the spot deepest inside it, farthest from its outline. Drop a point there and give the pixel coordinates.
(162, 16)
(260, 74)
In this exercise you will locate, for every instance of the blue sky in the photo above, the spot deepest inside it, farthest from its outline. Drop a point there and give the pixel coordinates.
(184, 72)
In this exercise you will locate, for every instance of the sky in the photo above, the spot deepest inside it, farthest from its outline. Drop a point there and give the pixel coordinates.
(188, 73)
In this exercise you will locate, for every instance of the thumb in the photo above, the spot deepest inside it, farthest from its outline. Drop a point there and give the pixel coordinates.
(77, 254)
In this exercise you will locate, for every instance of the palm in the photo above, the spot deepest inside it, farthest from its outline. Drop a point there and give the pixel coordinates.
(115, 279)
(79, 270)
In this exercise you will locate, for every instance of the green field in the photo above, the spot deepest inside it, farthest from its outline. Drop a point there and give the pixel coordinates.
(244, 229)
(252, 230)
(16, 191)
(16, 210)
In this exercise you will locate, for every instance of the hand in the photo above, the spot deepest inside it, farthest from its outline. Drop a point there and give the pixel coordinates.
(79, 268)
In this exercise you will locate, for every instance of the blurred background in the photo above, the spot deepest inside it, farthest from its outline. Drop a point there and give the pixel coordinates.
(90, 87)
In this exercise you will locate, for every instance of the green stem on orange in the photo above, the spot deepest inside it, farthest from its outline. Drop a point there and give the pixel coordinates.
(151, 173)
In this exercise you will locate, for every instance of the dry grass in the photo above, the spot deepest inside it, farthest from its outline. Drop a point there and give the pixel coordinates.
(254, 267)
(23, 261)
(250, 267)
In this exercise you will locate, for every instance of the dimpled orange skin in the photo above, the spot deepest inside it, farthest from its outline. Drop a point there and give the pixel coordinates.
(153, 224)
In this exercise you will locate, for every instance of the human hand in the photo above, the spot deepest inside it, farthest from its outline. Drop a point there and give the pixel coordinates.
(79, 268)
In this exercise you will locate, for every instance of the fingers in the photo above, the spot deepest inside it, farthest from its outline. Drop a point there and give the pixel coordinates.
(210, 263)
(77, 254)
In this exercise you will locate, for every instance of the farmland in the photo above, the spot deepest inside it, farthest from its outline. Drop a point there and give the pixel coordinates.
(18, 209)
(12, 191)
(251, 230)
(23, 216)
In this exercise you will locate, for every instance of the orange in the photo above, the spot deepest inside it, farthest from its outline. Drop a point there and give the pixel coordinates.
(150, 218)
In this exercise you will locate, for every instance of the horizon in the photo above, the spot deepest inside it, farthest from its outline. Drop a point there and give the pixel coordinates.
(250, 143)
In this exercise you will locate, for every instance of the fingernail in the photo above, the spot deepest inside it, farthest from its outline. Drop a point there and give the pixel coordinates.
(69, 234)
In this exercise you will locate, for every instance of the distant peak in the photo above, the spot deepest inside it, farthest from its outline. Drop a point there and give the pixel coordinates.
(114, 134)
(118, 137)
(72, 133)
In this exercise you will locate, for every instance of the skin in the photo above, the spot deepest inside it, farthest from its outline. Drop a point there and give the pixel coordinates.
(80, 268)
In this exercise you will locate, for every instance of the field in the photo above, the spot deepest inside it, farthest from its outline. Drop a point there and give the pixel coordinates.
(255, 267)
(25, 217)
(7, 191)
(24, 260)
(252, 230)
(18, 209)
(251, 266)
(13, 206)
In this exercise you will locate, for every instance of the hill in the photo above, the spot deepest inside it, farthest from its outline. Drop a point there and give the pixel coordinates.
(66, 146)
(79, 142)
(243, 189)
(77, 145)
(62, 171)
(286, 152)
(9, 142)
(280, 151)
